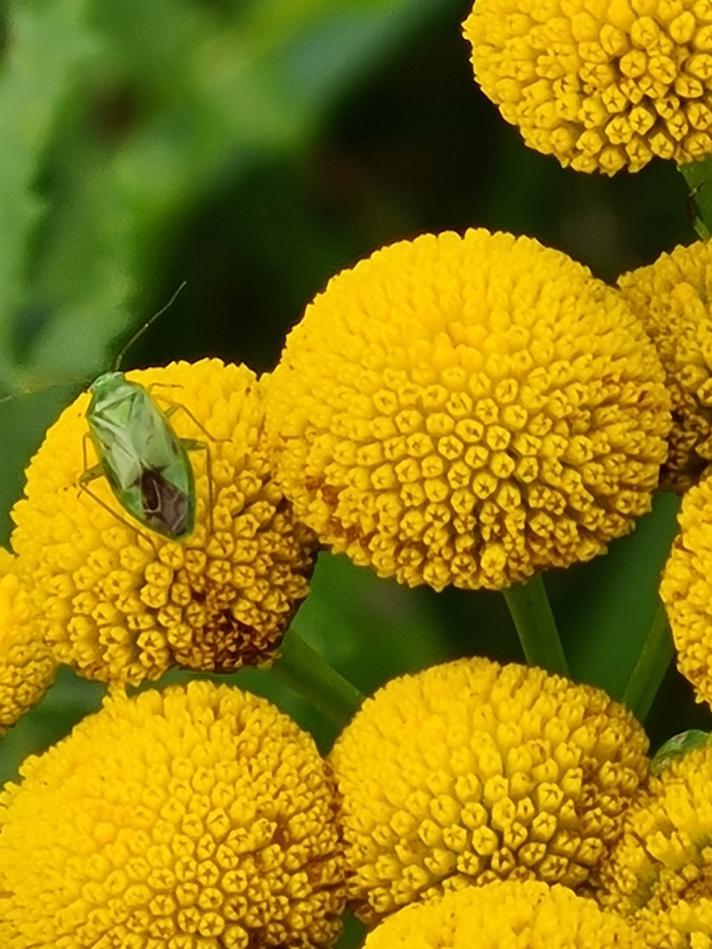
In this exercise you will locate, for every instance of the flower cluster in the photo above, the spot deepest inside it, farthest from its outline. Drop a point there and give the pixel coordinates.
(660, 871)
(26, 665)
(199, 818)
(463, 410)
(601, 86)
(531, 915)
(471, 772)
(121, 603)
(686, 589)
(468, 410)
(673, 297)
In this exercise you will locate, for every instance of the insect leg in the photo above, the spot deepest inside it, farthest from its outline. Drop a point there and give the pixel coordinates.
(95, 497)
(89, 472)
(192, 444)
(174, 407)
(97, 471)
(163, 385)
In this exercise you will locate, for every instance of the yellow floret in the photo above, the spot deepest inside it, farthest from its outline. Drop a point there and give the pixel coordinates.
(122, 604)
(196, 818)
(471, 772)
(26, 665)
(686, 589)
(660, 871)
(673, 297)
(468, 410)
(601, 85)
(504, 916)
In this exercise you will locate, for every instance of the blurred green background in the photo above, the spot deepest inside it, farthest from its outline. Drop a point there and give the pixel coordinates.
(253, 148)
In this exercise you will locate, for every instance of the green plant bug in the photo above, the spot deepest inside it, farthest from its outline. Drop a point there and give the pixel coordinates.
(142, 458)
(144, 461)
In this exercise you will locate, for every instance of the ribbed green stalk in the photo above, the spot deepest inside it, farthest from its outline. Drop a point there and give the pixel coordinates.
(305, 671)
(649, 670)
(531, 612)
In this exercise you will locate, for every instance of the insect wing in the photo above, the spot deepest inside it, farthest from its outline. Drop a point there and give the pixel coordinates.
(166, 483)
(112, 435)
(167, 509)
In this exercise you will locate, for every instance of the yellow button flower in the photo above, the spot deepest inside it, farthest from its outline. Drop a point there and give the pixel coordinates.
(122, 604)
(660, 871)
(686, 589)
(503, 915)
(600, 84)
(196, 818)
(471, 772)
(26, 665)
(673, 297)
(468, 410)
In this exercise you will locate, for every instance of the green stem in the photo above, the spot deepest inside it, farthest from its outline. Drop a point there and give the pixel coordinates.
(649, 670)
(536, 626)
(698, 175)
(305, 671)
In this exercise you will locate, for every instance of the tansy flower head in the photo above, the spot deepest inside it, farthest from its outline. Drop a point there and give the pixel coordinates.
(467, 411)
(600, 85)
(686, 589)
(199, 818)
(673, 297)
(660, 870)
(26, 664)
(529, 915)
(471, 772)
(121, 603)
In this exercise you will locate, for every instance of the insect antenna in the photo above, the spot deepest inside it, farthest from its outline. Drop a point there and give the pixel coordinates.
(36, 389)
(142, 329)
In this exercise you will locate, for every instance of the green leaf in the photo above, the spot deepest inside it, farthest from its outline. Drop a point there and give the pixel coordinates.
(607, 606)
(49, 44)
(65, 704)
(698, 175)
(369, 628)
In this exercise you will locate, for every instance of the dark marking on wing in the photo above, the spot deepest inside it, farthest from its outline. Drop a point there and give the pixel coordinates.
(166, 508)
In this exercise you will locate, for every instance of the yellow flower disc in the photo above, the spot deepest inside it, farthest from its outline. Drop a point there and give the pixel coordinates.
(196, 818)
(121, 603)
(471, 772)
(506, 916)
(26, 665)
(673, 297)
(468, 410)
(686, 589)
(600, 84)
(660, 870)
